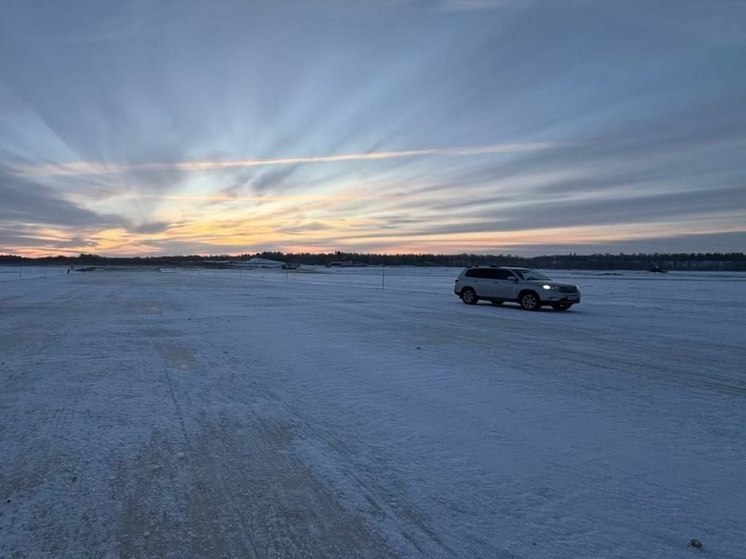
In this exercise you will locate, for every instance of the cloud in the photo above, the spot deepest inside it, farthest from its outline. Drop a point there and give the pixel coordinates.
(126, 33)
(273, 180)
(92, 168)
(309, 227)
(714, 21)
(42, 239)
(150, 228)
(665, 243)
(24, 201)
(633, 211)
(686, 242)
(472, 5)
(73, 242)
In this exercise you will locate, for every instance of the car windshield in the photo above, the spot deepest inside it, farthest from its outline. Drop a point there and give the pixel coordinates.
(530, 275)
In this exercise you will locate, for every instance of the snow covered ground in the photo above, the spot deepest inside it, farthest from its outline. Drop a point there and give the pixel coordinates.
(15, 273)
(260, 413)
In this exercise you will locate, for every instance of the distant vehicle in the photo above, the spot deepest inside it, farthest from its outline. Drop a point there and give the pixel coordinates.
(658, 270)
(529, 288)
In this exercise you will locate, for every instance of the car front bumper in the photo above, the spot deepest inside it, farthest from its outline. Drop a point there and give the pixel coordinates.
(561, 298)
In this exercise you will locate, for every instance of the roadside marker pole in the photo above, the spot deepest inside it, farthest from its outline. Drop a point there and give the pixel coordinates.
(383, 277)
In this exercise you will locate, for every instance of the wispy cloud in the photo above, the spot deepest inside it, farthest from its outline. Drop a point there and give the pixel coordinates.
(25, 201)
(91, 168)
(150, 228)
(471, 5)
(125, 33)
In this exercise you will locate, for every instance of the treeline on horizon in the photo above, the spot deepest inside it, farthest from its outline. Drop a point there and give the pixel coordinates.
(730, 261)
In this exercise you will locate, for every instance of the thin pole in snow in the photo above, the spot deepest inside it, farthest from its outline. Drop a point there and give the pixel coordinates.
(383, 277)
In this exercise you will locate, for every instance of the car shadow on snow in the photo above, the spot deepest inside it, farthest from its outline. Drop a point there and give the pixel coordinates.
(516, 307)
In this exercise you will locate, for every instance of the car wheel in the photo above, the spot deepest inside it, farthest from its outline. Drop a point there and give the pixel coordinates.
(497, 303)
(529, 301)
(469, 296)
(561, 306)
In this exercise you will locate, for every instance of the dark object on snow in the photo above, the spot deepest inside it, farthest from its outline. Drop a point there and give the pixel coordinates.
(694, 542)
(657, 269)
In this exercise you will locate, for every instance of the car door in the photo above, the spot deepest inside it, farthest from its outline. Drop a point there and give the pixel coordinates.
(504, 284)
(478, 278)
(490, 283)
(487, 283)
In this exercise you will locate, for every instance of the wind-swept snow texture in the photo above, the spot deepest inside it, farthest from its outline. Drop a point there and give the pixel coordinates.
(270, 414)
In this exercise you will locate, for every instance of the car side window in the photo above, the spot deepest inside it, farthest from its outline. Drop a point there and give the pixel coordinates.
(482, 273)
(487, 273)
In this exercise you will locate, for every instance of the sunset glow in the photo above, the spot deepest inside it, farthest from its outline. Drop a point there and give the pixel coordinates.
(376, 127)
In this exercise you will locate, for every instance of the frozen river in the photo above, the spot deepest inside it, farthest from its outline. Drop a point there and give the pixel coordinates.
(369, 413)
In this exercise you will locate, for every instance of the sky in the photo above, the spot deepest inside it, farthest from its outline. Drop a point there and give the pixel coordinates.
(440, 126)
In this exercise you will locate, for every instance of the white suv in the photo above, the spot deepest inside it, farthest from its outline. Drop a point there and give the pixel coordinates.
(529, 288)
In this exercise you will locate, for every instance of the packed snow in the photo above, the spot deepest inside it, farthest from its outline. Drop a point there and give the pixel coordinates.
(369, 413)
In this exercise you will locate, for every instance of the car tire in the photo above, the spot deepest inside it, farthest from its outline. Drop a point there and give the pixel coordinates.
(497, 303)
(529, 301)
(561, 306)
(469, 296)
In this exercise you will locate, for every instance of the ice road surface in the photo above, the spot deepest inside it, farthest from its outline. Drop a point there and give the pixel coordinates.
(311, 414)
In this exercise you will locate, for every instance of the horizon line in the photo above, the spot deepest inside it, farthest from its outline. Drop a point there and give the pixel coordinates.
(397, 254)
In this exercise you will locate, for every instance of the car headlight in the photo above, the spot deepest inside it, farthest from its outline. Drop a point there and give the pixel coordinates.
(546, 286)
